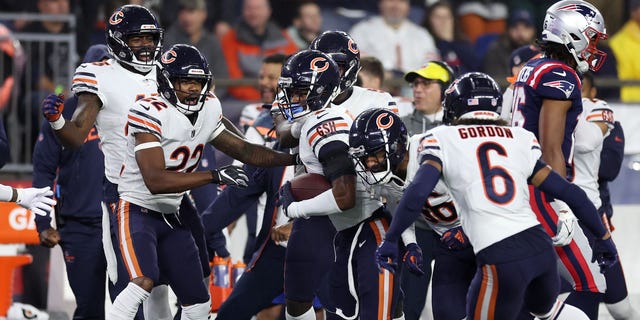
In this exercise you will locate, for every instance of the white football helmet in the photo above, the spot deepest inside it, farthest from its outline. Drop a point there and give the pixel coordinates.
(578, 25)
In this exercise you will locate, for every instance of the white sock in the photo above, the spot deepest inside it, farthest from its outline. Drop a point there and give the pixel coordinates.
(157, 306)
(400, 317)
(562, 311)
(623, 310)
(198, 311)
(309, 315)
(127, 302)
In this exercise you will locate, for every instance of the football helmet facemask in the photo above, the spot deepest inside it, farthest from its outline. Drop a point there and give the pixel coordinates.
(134, 20)
(183, 61)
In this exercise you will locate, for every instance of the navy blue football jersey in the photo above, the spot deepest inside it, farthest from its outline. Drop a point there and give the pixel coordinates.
(541, 79)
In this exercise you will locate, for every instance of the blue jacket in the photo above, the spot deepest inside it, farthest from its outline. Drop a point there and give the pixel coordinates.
(80, 172)
(610, 163)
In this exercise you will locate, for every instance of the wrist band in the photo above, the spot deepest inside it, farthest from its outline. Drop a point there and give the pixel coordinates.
(58, 124)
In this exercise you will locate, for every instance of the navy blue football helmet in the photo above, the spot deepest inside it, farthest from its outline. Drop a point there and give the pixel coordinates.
(308, 73)
(183, 61)
(340, 46)
(472, 95)
(128, 21)
(377, 132)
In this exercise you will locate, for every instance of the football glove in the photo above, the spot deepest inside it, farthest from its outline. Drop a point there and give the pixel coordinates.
(230, 176)
(52, 107)
(567, 224)
(387, 256)
(455, 239)
(413, 259)
(605, 252)
(38, 200)
(285, 198)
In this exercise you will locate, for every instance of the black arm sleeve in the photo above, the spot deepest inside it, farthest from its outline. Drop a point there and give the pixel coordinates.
(334, 157)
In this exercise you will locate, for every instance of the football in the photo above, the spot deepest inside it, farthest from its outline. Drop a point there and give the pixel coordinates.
(309, 185)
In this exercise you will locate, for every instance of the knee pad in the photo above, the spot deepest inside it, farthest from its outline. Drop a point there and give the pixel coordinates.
(198, 311)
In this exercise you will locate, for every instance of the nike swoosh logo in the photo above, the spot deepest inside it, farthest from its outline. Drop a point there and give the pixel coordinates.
(361, 244)
(321, 115)
(562, 74)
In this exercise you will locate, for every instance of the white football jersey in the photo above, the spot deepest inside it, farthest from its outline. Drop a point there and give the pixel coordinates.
(118, 89)
(486, 169)
(320, 128)
(182, 145)
(588, 146)
(442, 214)
(249, 114)
(362, 99)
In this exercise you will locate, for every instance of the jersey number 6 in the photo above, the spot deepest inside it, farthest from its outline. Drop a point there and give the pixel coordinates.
(490, 174)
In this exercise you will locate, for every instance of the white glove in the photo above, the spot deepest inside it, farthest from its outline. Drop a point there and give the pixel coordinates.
(38, 200)
(567, 223)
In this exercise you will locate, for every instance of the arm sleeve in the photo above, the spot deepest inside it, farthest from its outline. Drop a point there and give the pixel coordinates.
(412, 200)
(46, 157)
(582, 207)
(612, 154)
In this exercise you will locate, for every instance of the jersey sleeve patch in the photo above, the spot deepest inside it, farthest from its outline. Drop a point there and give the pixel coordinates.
(326, 129)
(84, 82)
(141, 122)
(556, 81)
(429, 149)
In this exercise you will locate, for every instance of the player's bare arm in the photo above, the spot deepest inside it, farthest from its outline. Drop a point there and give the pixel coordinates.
(250, 153)
(232, 127)
(156, 177)
(552, 125)
(74, 132)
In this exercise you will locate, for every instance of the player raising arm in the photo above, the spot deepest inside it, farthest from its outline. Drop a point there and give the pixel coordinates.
(486, 167)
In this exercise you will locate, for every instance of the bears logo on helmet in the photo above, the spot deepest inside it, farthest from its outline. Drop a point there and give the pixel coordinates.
(116, 17)
(323, 67)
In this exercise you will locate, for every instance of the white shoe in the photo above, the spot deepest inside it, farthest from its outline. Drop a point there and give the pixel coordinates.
(21, 311)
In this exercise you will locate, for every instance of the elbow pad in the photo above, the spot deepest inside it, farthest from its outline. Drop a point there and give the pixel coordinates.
(335, 160)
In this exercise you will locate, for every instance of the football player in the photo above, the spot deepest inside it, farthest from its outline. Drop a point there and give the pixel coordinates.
(308, 82)
(166, 136)
(383, 159)
(105, 91)
(547, 102)
(595, 124)
(486, 167)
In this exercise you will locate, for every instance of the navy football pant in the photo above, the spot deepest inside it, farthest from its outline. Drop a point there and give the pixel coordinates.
(519, 268)
(415, 287)
(86, 264)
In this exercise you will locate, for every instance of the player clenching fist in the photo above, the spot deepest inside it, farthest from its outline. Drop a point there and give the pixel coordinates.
(52, 107)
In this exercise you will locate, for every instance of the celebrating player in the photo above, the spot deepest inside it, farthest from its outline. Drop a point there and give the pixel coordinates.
(166, 136)
(486, 167)
(383, 159)
(547, 102)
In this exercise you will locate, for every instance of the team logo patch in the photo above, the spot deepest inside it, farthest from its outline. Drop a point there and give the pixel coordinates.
(381, 123)
(565, 86)
(587, 12)
(169, 56)
(116, 17)
(315, 66)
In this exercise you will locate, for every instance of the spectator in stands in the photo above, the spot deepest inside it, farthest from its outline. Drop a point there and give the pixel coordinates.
(307, 24)
(190, 29)
(626, 45)
(453, 47)
(428, 84)
(76, 176)
(400, 44)
(520, 31)
(371, 75)
(517, 60)
(11, 63)
(481, 18)
(252, 39)
(55, 57)
(4, 145)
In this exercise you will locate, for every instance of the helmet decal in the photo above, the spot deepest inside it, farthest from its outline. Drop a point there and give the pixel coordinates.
(116, 17)
(379, 121)
(169, 56)
(321, 68)
(353, 47)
